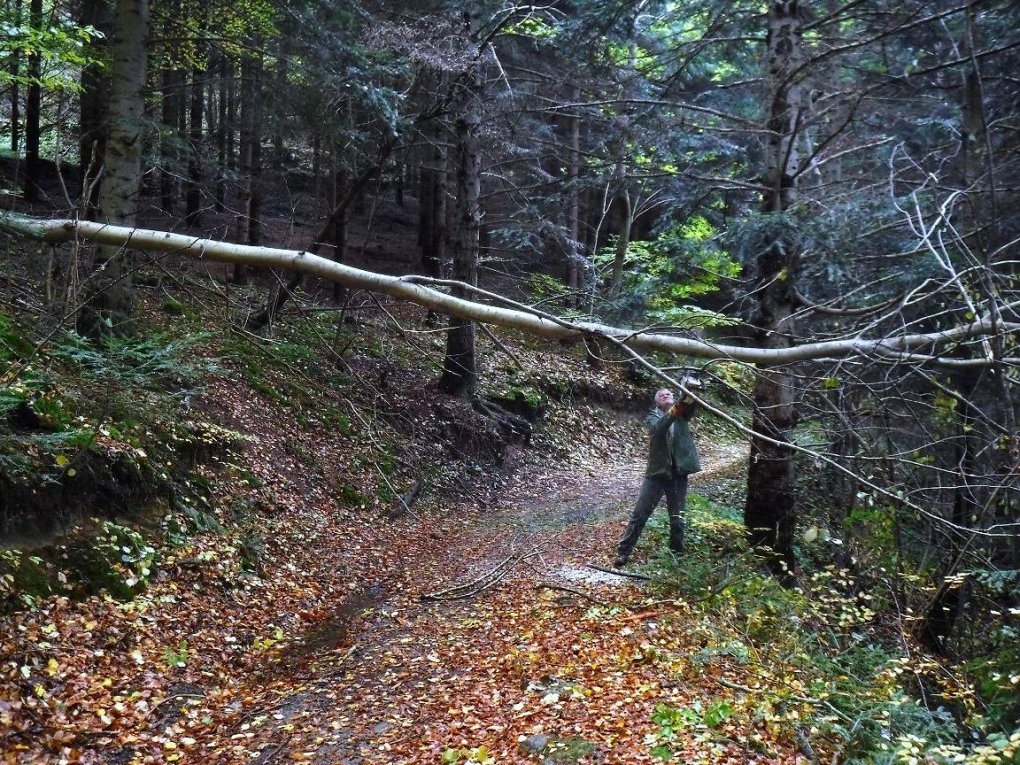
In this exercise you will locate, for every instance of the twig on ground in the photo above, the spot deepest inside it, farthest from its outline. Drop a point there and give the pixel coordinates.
(617, 572)
(794, 697)
(805, 746)
(268, 758)
(484, 582)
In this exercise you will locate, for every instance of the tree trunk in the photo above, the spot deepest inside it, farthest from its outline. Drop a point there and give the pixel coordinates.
(280, 77)
(255, 168)
(14, 70)
(193, 196)
(769, 511)
(109, 307)
(622, 243)
(432, 207)
(220, 192)
(172, 85)
(339, 233)
(33, 110)
(229, 134)
(316, 162)
(460, 375)
(415, 289)
(575, 250)
(93, 101)
(245, 149)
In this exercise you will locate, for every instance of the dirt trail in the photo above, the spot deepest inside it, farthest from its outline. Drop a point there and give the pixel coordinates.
(395, 678)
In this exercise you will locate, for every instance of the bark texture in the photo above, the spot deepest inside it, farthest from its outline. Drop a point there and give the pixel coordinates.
(769, 511)
(111, 300)
(33, 110)
(418, 289)
(460, 376)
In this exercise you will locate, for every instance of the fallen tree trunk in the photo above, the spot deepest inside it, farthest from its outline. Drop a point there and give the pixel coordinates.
(906, 347)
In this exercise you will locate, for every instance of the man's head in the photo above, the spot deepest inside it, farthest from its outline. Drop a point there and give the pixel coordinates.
(664, 398)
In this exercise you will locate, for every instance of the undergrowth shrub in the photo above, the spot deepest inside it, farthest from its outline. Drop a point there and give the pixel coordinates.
(828, 664)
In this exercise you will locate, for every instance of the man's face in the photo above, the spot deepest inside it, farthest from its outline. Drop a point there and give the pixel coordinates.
(664, 399)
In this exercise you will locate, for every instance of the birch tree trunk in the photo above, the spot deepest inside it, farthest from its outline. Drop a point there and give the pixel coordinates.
(769, 511)
(915, 348)
(109, 307)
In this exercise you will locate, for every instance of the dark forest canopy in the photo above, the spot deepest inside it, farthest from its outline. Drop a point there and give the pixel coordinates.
(817, 201)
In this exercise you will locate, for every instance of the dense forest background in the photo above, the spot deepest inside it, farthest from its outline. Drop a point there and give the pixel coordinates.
(814, 204)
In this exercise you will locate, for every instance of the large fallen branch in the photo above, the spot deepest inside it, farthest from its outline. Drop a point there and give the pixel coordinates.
(405, 288)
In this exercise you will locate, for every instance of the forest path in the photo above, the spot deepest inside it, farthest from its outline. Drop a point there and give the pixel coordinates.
(525, 653)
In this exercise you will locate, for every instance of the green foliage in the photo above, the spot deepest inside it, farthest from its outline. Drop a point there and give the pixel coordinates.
(72, 394)
(535, 27)
(820, 656)
(13, 342)
(547, 290)
(23, 579)
(152, 362)
(352, 495)
(123, 366)
(664, 274)
(177, 658)
(673, 723)
(130, 557)
(174, 307)
(996, 669)
(479, 755)
(62, 46)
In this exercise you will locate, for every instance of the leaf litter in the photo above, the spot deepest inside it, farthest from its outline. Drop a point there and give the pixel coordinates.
(330, 652)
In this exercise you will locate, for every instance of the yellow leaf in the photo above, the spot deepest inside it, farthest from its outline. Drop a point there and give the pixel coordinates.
(71, 472)
(39, 690)
(61, 460)
(811, 534)
(52, 667)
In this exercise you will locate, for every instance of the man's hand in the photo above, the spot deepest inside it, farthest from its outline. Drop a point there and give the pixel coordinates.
(677, 409)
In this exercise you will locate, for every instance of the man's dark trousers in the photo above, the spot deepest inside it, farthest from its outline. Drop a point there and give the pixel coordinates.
(675, 489)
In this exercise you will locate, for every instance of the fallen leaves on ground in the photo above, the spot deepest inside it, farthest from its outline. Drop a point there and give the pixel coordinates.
(329, 654)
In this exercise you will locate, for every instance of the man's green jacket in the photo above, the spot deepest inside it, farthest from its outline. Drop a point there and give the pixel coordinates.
(671, 449)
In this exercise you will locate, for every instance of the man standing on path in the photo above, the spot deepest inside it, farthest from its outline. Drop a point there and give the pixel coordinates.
(672, 457)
